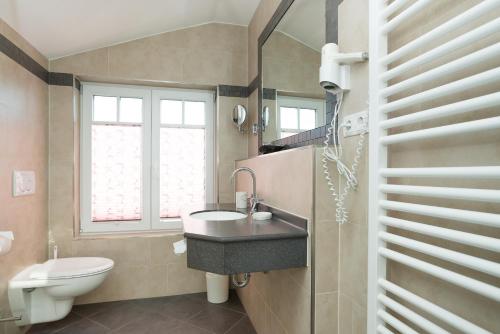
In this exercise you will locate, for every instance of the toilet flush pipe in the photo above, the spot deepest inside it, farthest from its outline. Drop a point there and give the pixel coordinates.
(243, 283)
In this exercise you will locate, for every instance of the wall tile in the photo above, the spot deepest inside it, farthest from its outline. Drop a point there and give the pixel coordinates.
(184, 280)
(326, 313)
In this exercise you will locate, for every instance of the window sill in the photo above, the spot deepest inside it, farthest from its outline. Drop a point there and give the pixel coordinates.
(130, 234)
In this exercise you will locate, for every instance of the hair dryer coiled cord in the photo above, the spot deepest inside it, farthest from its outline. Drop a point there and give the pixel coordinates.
(334, 155)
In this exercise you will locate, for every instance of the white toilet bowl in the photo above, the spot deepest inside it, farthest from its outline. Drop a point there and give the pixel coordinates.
(45, 292)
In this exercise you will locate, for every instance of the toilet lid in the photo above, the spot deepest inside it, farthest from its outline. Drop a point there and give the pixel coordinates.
(71, 267)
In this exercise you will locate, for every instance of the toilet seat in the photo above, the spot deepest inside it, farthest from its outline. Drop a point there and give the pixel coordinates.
(73, 267)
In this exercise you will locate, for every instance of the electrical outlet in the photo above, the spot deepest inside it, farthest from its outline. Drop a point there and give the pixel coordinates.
(355, 124)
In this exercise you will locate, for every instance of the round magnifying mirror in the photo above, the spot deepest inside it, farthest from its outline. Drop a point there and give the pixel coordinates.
(265, 118)
(239, 115)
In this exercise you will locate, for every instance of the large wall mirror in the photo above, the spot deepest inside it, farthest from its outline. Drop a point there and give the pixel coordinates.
(291, 99)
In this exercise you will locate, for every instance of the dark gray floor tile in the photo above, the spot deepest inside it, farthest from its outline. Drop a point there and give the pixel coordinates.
(118, 315)
(149, 323)
(181, 307)
(153, 304)
(215, 319)
(50, 327)
(87, 310)
(83, 326)
(189, 329)
(232, 303)
(244, 326)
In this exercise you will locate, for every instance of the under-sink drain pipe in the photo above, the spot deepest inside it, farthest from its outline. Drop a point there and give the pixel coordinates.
(240, 284)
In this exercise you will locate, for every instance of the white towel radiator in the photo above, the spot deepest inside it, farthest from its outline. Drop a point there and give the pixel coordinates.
(387, 312)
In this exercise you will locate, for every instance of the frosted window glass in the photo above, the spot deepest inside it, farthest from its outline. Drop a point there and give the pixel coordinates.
(116, 173)
(171, 112)
(194, 113)
(182, 170)
(130, 110)
(105, 109)
(288, 118)
(307, 119)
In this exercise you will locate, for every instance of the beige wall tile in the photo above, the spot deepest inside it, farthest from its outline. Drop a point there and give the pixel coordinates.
(23, 44)
(286, 293)
(169, 57)
(24, 146)
(93, 63)
(182, 280)
(326, 313)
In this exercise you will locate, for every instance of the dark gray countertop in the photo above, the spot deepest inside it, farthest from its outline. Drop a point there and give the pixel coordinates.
(239, 230)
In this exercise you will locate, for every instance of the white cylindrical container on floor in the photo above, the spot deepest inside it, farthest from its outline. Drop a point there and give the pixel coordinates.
(241, 200)
(217, 288)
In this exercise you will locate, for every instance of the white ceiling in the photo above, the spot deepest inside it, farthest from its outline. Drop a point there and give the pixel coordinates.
(305, 21)
(62, 27)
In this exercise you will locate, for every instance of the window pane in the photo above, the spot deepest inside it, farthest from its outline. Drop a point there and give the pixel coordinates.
(105, 109)
(130, 110)
(116, 173)
(171, 112)
(194, 113)
(288, 118)
(287, 134)
(307, 119)
(182, 170)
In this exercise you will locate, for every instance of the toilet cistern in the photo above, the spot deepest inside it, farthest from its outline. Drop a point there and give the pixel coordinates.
(254, 200)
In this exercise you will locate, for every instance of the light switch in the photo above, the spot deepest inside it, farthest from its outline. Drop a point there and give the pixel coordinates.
(23, 183)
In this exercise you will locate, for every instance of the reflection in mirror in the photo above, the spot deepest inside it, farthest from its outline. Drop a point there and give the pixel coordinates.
(291, 58)
(265, 118)
(239, 115)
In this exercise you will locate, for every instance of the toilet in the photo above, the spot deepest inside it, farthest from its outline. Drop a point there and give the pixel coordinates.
(46, 292)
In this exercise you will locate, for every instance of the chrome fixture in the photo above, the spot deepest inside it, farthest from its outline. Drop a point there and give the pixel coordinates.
(254, 200)
(239, 116)
(240, 284)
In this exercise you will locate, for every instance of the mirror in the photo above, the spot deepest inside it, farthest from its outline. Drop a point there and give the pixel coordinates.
(292, 97)
(265, 118)
(239, 115)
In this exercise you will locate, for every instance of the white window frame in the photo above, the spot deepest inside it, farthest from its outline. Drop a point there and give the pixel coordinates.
(298, 103)
(151, 97)
(185, 96)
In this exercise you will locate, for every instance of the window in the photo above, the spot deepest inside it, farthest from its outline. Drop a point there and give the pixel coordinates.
(297, 114)
(146, 155)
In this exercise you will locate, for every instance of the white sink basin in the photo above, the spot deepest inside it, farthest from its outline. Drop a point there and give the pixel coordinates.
(218, 215)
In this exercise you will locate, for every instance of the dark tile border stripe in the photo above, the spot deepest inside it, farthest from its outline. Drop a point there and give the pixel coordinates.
(253, 85)
(60, 79)
(233, 91)
(22, 58)
(269, 93)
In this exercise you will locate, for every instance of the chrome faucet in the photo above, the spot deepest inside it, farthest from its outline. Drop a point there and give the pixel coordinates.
(254, 200)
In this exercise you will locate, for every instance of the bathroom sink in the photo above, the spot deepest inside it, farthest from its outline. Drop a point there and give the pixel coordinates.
(218, 215)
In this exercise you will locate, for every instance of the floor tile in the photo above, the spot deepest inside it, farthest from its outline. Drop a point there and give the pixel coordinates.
(244, 326)
(185, 314)
(149, 323)
(189, 329)
(216, 319)
(83, 326)
(181, 307)
(87, 310)
(232, 303)
(50, 327)
(118, 315)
